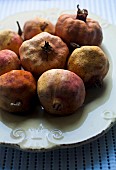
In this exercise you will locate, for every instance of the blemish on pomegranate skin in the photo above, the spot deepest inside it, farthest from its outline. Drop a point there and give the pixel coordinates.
(17, 103)
(8, 44)
(27, 76)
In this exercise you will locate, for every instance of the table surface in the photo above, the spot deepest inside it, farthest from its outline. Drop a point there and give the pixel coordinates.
(96, 155)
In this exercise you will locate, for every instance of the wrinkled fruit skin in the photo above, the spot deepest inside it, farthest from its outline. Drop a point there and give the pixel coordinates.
(90, 63)
(10, 40)
(36, 60)
(60, 91)
(8, 61)
(36, 26)
(17, 91)
(73, 30)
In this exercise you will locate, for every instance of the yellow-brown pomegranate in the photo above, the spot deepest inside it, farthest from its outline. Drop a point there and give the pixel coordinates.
(90, 63)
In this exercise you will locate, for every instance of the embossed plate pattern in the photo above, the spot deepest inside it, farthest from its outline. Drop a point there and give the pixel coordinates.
(40, 131)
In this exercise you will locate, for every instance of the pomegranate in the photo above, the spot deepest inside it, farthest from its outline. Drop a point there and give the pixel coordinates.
(61, 92)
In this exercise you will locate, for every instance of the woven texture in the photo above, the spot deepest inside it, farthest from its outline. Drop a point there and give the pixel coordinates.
(104, 8)
(99, 154)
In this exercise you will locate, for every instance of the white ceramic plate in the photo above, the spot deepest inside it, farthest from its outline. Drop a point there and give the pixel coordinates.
(39, 131)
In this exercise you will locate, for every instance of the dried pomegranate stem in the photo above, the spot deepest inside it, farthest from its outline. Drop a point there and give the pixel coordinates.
(19, 29)
(74, 45)
(81, 14)
(46, 47)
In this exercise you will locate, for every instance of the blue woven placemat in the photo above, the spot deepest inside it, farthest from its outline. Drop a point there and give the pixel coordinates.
(103, 8)
(99, 154)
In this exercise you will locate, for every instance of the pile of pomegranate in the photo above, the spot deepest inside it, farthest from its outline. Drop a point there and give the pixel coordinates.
(53, 64)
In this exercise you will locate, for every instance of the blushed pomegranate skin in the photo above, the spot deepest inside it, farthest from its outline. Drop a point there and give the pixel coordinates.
(36, 26)
(61, 92)
(9, 61)
(10, 40)
(43, 52)
(77, 31)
